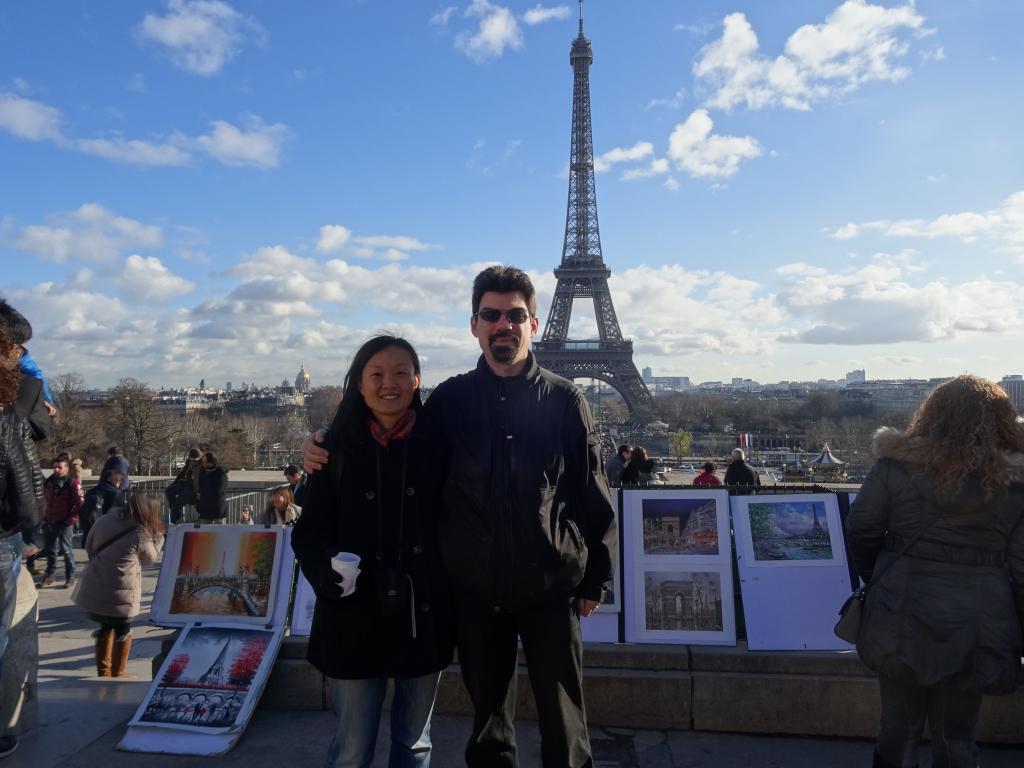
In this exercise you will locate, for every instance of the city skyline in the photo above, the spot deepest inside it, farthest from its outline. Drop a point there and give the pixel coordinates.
(222, 191)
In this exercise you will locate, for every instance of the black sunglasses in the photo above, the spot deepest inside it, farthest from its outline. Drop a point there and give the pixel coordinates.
(516, 315)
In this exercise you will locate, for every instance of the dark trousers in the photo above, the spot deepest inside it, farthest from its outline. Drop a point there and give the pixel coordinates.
(952, 716)
(57, 540)
(488, 655)
(178, 495)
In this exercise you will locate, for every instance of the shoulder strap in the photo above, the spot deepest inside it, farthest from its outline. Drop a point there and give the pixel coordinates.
(111, 540)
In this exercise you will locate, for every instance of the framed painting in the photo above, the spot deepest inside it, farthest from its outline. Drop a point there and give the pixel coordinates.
(677, 561)
(226, 573)
(791, 560)
(206, 690)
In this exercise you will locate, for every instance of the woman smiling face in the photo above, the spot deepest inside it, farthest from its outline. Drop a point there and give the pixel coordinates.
(388, 383)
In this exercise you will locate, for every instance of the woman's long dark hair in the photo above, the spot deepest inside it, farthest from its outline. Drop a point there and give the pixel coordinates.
(353, 412)
(10, 376)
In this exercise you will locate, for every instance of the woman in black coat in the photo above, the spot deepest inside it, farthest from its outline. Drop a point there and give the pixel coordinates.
(379, 498)
(942, 622)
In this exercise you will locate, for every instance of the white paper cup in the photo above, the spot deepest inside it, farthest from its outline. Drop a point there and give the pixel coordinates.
(347, 564)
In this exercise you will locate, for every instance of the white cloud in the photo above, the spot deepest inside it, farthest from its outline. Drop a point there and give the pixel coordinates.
(272, 260)
(333, 238)
(147, 279)
(496, 31)
(400, 242)
(539, 14)
(137, 152)
(1004, 224)
(440, 19)
(257, 144)
(938, 54)
(201, 36)
(91, 233)
(638, 151)
(858, 43)
(674, 102)
(694, 149)
(28, 119)
(845, 232)
(877, 304)
(657, 167)
(671, 184)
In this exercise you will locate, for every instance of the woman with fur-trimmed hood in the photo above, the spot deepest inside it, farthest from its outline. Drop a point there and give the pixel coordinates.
(942, 625)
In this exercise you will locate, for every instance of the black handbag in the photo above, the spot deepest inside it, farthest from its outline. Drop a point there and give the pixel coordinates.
(852, 611)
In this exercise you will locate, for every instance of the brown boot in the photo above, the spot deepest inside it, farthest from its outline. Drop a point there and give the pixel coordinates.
(104, 652)
(122, 648)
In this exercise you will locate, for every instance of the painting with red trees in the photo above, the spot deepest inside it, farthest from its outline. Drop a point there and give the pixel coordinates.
(247, 660)
(175, 668)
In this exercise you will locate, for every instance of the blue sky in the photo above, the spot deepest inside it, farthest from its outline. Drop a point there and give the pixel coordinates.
(786, 191)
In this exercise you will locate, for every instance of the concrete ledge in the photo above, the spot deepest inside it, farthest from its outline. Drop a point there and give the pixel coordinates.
(675, 687)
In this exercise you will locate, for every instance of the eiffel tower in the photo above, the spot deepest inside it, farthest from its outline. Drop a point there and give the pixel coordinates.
(582, 273)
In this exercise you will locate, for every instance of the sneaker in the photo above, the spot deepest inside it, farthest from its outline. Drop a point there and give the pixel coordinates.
(31, 551)
(70, 583)
(7, 745)
(47, 580)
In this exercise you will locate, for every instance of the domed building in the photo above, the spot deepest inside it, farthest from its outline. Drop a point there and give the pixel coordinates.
(302, 380)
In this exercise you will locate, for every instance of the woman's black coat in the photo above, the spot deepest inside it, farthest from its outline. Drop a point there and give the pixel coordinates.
(350, 637)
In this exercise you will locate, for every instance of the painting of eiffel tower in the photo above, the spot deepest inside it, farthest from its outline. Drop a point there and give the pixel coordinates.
(789, 531)
(582, 273)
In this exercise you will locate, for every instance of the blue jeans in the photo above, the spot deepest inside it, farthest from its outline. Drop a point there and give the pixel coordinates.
(10, 566)
(358, 704)
(57, 539)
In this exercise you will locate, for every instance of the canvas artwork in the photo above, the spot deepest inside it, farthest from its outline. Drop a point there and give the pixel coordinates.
(677, 566)
(223, 573)
(207, 678)
(687, 601)
(790, 531)
(791, 561)
(680, 526)
(303, 607)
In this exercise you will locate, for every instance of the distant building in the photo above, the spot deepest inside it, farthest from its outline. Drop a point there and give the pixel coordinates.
(228, 387)
(1013, 385)
(855, 377)
(892, 394)
(302, 380)
(664, 383)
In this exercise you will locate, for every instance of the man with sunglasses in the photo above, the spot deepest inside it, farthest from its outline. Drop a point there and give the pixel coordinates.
(528, 536)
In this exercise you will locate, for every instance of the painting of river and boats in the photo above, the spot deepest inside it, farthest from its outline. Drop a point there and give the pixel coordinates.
(220, 573)
(790, 532)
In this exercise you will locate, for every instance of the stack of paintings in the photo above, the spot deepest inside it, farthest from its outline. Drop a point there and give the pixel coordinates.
(792, 566)
(227, 586)
(678, 567)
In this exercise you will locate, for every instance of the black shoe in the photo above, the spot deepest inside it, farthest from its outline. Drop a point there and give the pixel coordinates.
(7, 745)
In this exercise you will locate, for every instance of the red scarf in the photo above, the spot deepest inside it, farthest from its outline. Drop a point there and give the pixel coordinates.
(401, 429)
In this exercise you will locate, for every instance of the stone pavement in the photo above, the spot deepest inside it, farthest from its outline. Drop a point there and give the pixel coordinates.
(82, 718)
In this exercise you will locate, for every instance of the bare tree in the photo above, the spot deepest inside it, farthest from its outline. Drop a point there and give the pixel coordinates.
(137, 424)
(72, 426)
(321, 405)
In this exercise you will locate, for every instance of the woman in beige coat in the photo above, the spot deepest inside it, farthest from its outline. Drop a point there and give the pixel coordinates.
(119, 544)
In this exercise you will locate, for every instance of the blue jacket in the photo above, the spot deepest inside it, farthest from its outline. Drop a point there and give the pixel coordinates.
(29, 366)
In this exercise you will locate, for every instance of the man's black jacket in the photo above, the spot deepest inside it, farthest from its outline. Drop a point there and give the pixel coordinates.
(527, 514)
(741, 473)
